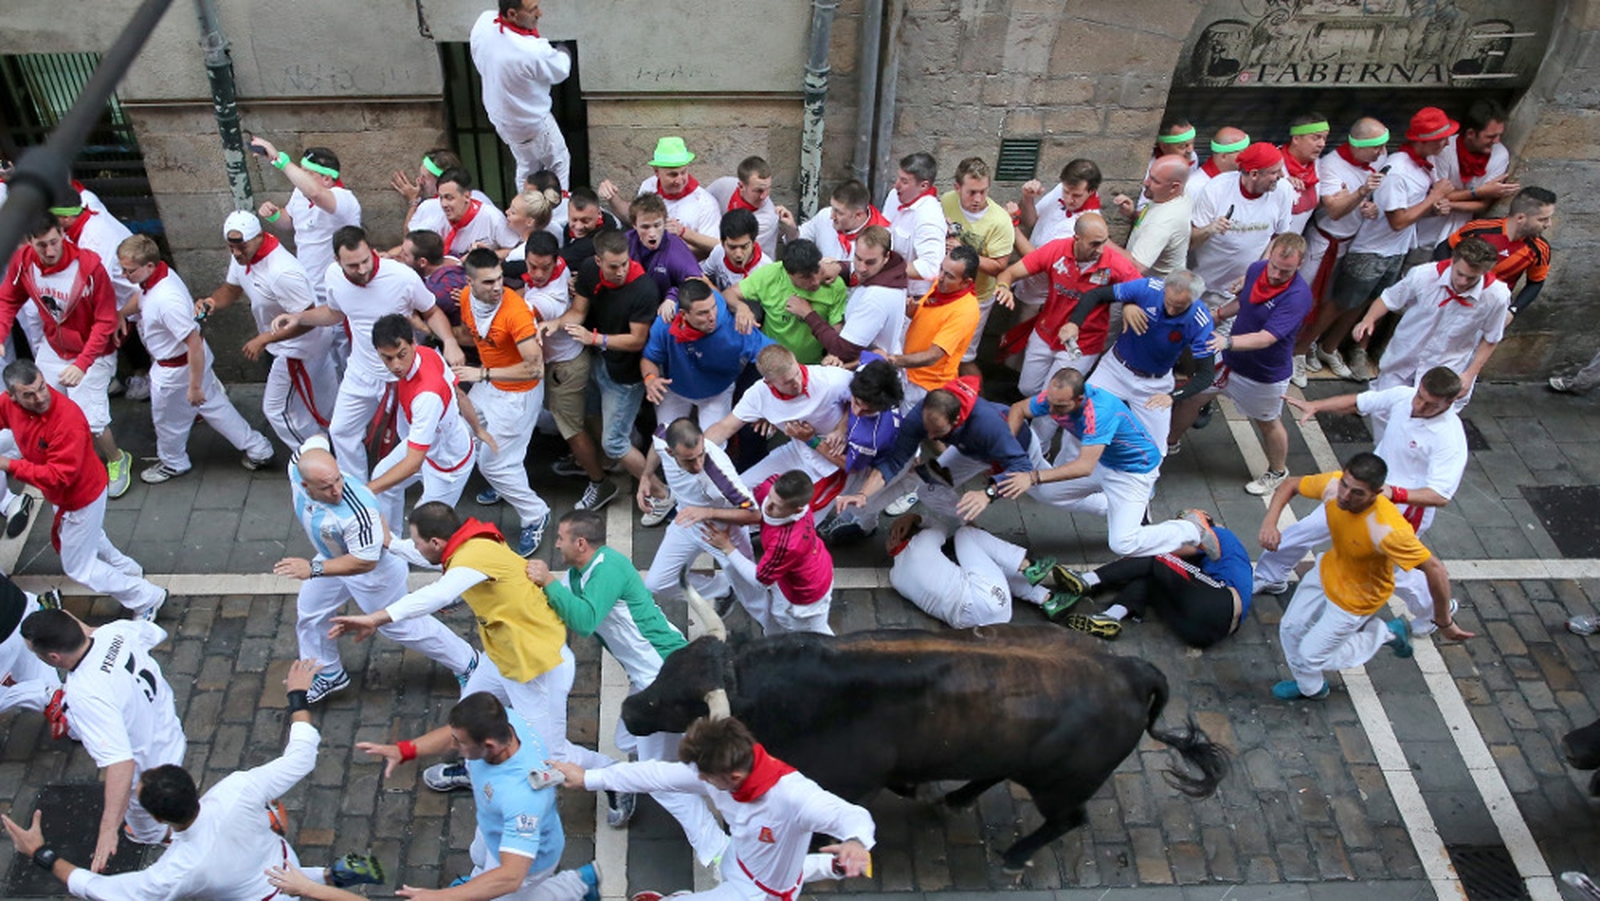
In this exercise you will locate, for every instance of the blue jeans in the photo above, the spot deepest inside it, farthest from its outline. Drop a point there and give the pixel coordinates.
(619, 408)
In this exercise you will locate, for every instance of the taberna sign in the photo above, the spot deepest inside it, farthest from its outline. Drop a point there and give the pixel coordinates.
(1366, 43)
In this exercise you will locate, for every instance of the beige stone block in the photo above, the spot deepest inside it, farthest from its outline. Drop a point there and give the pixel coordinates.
(1028, 40)
(1565, 134)
(1133, 121)
(1172, 18)
(1059, 91)
(1080, 119)
(1584, 14)
(1120, 159)
(1023, 123)
(1093, 48)
(985, 45)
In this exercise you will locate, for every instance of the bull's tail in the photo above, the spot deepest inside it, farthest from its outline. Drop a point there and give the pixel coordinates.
(1196, 748)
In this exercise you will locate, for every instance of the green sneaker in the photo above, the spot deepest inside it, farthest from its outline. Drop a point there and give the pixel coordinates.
(1069, 581)
(120, 473)
(1058, 604)
(1038, 570)
(355, 869)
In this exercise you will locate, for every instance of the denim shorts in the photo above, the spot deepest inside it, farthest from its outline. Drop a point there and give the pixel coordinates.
(1363, 276)
(619, 407)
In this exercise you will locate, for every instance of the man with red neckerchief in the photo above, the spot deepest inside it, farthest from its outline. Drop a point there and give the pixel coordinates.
(944, 321)
(1308, 134)
(835, 231)
(518, 67)
(469, 221)
(917, 220)
(1477, 163)
(1226, 145)
(1235, 216)
(875, 309)
(772, 812)
(1518, 239)
(739, 253)
(692, 213)
(751, 191)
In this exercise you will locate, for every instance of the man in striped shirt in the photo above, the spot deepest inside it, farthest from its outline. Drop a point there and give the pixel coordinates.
(1519, 241)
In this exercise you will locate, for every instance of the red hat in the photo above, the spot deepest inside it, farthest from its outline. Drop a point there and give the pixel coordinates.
(1431, 124)
(1260, 155)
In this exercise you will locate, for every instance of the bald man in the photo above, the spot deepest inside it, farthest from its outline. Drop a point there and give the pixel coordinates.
(1159, 242)
(352, 560)
(1226, 145)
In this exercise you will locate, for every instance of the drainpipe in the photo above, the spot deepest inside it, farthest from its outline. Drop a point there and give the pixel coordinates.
(224, 103)
(867, 103)
(883, 173)
(816, 95)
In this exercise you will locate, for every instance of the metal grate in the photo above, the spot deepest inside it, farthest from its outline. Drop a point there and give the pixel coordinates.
(1487, 872)
(1018, 159)
(71, 817)
(1567, 514)
(1475, 440)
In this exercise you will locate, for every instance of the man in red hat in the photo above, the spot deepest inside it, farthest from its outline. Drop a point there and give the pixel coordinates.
(1235, 216)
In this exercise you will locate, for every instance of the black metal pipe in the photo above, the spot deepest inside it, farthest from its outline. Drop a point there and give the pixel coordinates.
(225, 104)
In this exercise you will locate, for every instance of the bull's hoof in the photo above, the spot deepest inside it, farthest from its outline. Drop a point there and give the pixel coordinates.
(1594, 785)
(1015, 869)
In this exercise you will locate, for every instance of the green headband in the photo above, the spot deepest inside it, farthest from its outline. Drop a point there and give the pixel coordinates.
(1378, 141)
(1177, 138)
(434, 169)
(66, 211)
(309, 166)
(1309, 128)
(1235, 147)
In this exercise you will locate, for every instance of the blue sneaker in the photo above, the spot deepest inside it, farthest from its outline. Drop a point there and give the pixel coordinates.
(1289, 690)
(466, 675)
(529, 539)
(591, 881)
(1401, 642)
(355, 869)
(488, 497)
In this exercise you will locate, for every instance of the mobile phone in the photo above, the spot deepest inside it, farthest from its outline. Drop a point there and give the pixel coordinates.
(1384, 170)
(1229, 213)
(257, 149)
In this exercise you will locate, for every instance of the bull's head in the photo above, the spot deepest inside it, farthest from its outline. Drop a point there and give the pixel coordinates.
(684, 690)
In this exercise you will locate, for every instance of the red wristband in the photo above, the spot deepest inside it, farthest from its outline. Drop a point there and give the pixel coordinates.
(408, 751)
(1400, 494)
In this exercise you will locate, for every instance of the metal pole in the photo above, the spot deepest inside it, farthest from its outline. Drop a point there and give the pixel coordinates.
(224, 103)
(884, 171)
(43, 173)
(816, 96)
(867, 102)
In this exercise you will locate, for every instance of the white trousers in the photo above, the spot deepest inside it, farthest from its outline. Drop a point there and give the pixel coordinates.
(680, 546)
(544, 885)
(1319, 636)
(1078, 495)
(708, 410)
(510, 417)
(359, 396)
(693, 812)
(542, 701)
(299, 396)
(1136, 391)
(1312, 532)
(32, 328)
(173, 416)
(373, 590)
(537, 144)
(736, 886)
(976, 589)
(88, 557)
(437, 484)
(1039, 363)
(90, 394)
(26, 682)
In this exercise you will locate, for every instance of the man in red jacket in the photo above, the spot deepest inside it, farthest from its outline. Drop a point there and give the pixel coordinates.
(77, 306)
(58, 458)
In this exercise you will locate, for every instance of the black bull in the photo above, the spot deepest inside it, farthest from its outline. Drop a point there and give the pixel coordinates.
(1044, 708)
(1582, 747)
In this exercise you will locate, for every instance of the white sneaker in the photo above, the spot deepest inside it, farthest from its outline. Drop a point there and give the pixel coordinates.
(660, 509)
(159, 473)
(1266, 483)
(138, 387)
(1313, 362)
(1335, 363)
(902, 504)
(1421, 626)
(1361, 366)
(1298, 378)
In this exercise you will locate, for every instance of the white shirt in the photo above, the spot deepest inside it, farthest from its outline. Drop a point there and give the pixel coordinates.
(103, 234)
(278, 284)
(394, 288)
(766, 215)
(314, 228)
(1446, 164)
(1223, 258)
(716, 485)
(716, 268)
(1421, 453)
(1334, 175)
(919, 232)
(224, 853)
(1437, 330)
(1160, 237)
(697, 209)
(548, 303)
(822, 404)
(435, 421)
(429, 215)
(166, 317)
(488, 227)
(820, 231)
(875, 316)
(118, 703)
(1198, 178)
(1405, 186)
(517, 71)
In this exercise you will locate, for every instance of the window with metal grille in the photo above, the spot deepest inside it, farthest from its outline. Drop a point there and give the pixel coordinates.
(36, 90)
(474, 138)
(1018, 159)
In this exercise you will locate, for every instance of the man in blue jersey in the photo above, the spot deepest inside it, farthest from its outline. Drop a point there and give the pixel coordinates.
(1116, 456)
(349, 536)
(692, 361)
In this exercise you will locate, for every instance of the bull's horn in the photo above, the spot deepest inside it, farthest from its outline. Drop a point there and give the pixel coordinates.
(717, 704)
(703, 618)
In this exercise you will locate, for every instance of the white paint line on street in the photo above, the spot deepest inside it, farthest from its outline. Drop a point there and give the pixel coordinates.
(611, 845)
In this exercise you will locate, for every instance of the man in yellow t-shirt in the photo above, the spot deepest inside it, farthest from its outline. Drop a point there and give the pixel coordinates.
(943, 322)
(1331, 623)
(976, 221)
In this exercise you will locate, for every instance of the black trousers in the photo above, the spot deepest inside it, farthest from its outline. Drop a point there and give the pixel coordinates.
(1197, 608)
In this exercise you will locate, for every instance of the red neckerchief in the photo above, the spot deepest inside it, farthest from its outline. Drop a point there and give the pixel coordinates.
(1472, 165)
(937, 298)
(1093, 203)
(737, 202)
(473, 206)
(1306, 172)
(755, 259)
(1346, 153)
(159, 273)
(74, 232)
(268, 245)
(469, 530)
(1421, 161)
(1246, 192)
(1462, 299)
(560, 267)
(1264, 290)
(966, 389)
(765, 771)
(514, 28)
(1209, 167)
(926, 192)
(634, 271)
(805, 386)
(688, 188)
(69, 254)
(683, 332)
(848, 240)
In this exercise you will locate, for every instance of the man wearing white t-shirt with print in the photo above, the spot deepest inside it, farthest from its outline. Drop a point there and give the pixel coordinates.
(1235, 217)
(360, 292)
(117, 702)
(917, 221)
(469, 221)
(518, 67)
(692, 213)
(875, 310)
(751, 190)
(319, 206)
(1476, 162)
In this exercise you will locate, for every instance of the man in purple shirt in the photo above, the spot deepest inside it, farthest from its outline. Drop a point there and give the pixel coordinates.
(666, 258)
(1258, 358)
(867, 432)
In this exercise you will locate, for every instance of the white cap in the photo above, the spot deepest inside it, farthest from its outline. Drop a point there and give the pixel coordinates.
(242, 221)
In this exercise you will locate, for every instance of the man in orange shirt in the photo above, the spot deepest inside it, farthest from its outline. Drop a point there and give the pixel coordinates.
(943, 323)
(1332, 624)
(507, 390)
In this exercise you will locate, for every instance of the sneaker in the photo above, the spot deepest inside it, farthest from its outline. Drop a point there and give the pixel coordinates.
(1426, 626)
(1276, 589)
(1313, 362)
(137, 387)
(148, 614)
(1038, 570)
(845, 532)
(1174, 447)
(1097, 624)
(159, 473)
(620, 808)
(255, 464)
(1203, 418)
(444, 777)
(1334, 361)
(49, 600)
(355, 869)
(529, 539)
(488, 497)
(1401, 642)
(17, 513)
(901, 505)
(597, 495)
(325, 684)
(1298, 377)
(567, 467)
(1361, 368)
(1289, 690)
(1067, 580)
(466, 675)
(1266, 483)
(1057, 604)
(1208, 536)
(1564, 385)
(1578, 625)
(120, 472)
(660, 509)
(591, 881)
(115, 388)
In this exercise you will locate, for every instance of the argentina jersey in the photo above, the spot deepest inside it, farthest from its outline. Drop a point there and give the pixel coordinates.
(352, 526)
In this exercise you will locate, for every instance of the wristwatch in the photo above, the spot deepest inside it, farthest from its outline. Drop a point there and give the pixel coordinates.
(316, 569)
(44, 858)
(992, 492)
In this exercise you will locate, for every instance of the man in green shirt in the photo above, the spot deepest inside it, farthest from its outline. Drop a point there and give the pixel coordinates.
(604, 595)
(983, 225)
(801, 274)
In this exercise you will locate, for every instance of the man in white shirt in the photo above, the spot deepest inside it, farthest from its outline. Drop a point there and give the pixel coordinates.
(25, 682)
(1235, 217)
(518, 68)
(118, 704)
(875, 309)
(804, 401)
(468, 220)
(835, 229)
(692, 213)
(319, 206)
(1476, 162)
(917, 221)
(1226, 145)
(222, 842)
(751, 190)
(360, 292)
(1159, 242)
(182, 383)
